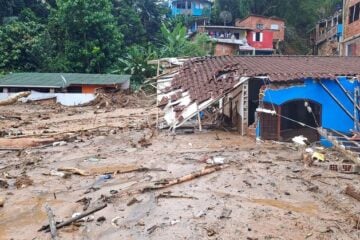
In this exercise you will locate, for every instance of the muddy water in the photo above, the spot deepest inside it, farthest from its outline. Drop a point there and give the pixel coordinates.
(300, 207)
(29, 212)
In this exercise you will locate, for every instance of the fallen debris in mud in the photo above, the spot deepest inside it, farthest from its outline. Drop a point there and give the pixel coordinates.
(169, 195)
(21, 143)
(73, 170)
(4, 183)
(2, 202)
(58, 174)
(100, 146)
(352, 192)
(86, 202)
(13, 99)
(168, 183)
(23, 182)
(122, 169)
(133, 201)
(73, 219)
(52, 223)
(225, 213)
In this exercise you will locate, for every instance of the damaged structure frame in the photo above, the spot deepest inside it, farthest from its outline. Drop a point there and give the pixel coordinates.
(274, 98)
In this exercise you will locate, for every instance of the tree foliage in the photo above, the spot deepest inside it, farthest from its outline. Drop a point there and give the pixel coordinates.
(86, 32)
(17, 43)
(103, 35)
(300, 15)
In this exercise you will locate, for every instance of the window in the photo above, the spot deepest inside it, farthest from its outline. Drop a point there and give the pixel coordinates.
(274, 27)
(354, 13)
(182, 5)
(258, 37)
(351, 49)
(260, 26)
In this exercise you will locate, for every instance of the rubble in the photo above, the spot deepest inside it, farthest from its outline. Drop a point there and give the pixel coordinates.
(156, 185)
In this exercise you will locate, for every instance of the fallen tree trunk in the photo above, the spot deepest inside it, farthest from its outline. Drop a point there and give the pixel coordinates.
(10, 143)
(13, 99)
(185, 178)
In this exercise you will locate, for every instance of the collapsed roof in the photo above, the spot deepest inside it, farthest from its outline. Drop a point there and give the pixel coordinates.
(203, 81)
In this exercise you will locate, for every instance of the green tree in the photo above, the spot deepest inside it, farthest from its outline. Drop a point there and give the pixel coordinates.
(176, 43)
(83, 37)
(135, 62)
(129, 22)
(17, 43)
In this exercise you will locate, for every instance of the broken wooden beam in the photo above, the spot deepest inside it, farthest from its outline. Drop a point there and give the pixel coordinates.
(52, 222)
(74, 219)
(194, 175)
(352, 192)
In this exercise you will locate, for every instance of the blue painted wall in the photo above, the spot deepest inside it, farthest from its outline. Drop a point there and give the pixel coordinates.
(333, 116)
(340, 30)
(195, 11)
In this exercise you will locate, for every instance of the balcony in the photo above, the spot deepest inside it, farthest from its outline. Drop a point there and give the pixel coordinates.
(196, 12)
(230, 41)
(330, 33)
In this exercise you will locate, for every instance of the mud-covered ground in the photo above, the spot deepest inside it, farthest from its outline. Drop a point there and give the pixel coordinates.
(264, 190)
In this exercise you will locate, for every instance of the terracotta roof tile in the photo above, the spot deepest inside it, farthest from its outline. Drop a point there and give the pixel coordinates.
(217, 75)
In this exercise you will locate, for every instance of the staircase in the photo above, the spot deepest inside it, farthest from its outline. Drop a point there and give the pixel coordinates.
(350, 148)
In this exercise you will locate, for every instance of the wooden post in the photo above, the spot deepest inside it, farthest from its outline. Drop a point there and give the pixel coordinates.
(52, 222)
(199, 120)
(157, 92)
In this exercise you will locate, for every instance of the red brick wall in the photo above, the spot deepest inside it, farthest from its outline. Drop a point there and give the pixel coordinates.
(267, 41)
(252, 21)
(222, 49)
(353, 28)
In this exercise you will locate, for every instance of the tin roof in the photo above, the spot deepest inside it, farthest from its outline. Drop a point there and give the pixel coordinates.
(58, 80)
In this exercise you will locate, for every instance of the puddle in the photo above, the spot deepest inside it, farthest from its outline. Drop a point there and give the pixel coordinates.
(300, 207)
(29, 212)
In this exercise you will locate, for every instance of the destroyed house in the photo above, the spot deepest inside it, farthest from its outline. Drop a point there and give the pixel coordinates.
(327, 36)
(274, 97)
(62, 82)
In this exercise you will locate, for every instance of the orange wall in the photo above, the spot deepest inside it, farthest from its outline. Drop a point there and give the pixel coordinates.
(89, 88)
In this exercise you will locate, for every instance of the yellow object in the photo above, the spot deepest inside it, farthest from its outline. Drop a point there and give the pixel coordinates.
(318, 156)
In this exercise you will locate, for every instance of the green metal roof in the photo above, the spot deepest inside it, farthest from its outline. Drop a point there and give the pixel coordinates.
(58, 80)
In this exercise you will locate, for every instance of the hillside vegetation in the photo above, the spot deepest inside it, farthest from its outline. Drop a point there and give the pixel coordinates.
(105, 36)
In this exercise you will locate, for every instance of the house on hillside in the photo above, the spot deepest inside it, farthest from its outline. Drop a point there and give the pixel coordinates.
(327, 36)
(272, 97)
(199, 10)
(229, 40)
(351, 16)
(253, 35)
(265, 33)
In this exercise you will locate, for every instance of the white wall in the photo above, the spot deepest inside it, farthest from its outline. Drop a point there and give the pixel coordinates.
(66, 99)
